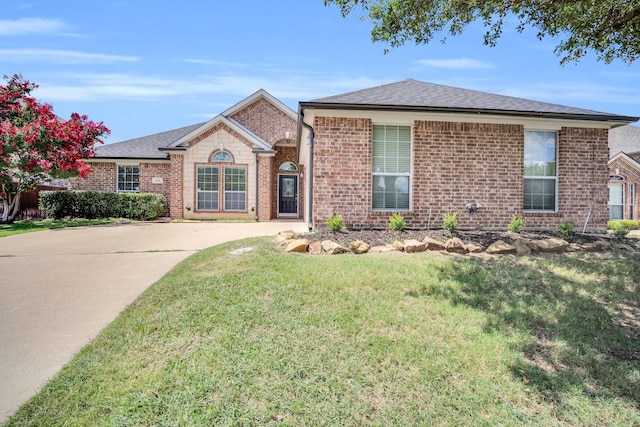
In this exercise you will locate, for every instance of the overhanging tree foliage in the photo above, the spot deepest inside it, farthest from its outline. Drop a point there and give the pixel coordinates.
(610, 28)
(36, 145)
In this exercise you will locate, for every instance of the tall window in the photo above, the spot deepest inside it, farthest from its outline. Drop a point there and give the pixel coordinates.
(616, 201)
(208, 188)
(540, 171)
(128, 179)
(391, 167)
(235, 188)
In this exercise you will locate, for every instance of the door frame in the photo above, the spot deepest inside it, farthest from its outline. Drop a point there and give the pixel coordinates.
(297, 195)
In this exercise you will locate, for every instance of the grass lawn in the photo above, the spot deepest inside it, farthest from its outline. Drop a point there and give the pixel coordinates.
(267, 338)
(20, 227)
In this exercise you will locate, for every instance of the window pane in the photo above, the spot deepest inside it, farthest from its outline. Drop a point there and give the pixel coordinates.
(391, 193)
(235, 179)
(128, 179)
(616, 201)
(540, 152)
(391, 167)
(207, 195)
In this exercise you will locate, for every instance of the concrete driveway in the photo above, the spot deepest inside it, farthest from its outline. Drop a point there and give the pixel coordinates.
(60, 288)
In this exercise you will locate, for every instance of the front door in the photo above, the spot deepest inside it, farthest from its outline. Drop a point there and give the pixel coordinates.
(288, 196)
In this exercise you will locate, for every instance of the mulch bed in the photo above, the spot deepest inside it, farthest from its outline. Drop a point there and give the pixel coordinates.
(478, 237)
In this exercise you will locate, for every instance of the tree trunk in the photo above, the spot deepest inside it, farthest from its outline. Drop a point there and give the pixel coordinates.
(10, 207)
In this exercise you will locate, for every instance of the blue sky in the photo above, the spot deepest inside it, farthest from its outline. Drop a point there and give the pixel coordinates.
(144, 66)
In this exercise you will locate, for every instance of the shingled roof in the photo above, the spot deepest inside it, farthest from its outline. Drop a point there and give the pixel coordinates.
(421, 96)
(146, 147)
(624, 139)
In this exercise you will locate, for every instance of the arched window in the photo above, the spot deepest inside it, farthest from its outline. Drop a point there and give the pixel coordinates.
(288, 166)
(222, 156)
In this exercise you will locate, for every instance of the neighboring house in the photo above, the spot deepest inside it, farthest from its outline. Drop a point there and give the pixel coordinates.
(411, 147)
(624, 172)
(424, 150)
(241, 163)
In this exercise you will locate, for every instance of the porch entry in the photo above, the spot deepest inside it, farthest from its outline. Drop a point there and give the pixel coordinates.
(288, 196)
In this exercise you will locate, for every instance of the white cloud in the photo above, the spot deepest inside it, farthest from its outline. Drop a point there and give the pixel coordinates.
(61, 56)
(102, 87)
(456, 63)
(31, 26)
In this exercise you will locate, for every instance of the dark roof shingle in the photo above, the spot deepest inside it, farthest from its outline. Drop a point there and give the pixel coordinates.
(624, 139)
(146, 147)
(416, 95)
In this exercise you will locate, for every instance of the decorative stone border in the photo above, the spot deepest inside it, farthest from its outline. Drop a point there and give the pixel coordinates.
(290, 243)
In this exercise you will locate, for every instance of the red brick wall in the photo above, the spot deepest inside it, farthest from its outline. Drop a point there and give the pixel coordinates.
(175, 186)
(266, 121)
(631, 176)
(455, 164)
(265, 167)
(103, 178)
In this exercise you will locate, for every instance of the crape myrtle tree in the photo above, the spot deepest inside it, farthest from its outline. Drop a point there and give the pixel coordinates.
(36, 145)
(610, 28)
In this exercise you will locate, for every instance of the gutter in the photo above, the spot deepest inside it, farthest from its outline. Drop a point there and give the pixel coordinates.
(476, 111)
(310, 166)
(257, 190)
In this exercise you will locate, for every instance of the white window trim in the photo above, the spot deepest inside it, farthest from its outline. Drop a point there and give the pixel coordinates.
(198, 191)
(410, 174)
(126, 165)
(623, 186)
(224, 194)
(556, 178)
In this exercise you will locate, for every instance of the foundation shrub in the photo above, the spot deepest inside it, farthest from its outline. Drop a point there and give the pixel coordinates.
(102, 204)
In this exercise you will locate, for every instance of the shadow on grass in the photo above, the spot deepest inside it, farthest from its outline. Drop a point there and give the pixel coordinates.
(576, 320)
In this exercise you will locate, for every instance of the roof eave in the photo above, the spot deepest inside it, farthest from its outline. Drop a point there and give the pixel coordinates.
(475, 111)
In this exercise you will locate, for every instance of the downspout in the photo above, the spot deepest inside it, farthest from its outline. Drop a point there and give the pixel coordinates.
(257, 190)
(309, 168)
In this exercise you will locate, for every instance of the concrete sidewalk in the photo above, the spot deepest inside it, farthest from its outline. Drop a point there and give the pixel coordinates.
(60, 288)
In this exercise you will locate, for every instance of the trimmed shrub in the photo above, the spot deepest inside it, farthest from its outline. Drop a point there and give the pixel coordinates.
(450, 221)
(396, 222)
(335, 223)
(102, 204)
(566, 228)
(629, 224)
(516, 225)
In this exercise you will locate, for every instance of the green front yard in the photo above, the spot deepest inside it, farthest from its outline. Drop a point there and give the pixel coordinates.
(267, 338)
(20, 227)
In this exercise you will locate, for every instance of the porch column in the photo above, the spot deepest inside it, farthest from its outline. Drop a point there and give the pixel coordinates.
(176, 202)
(265, 174)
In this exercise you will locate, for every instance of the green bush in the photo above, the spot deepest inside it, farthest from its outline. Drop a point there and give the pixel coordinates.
(396, 222)
(516, 225)
(621, 232)
(102, 204)
(335, 223)
(450, 221)
(565, 228)
(629, 224)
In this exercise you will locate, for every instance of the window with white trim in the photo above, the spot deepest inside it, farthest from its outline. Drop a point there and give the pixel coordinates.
(128, 179)
(222, 157)
(208, 194)
(391, 168)
(540, 171)
(235, 188)
(616, 201)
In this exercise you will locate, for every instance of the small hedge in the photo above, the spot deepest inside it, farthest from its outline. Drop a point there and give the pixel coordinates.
(102, 204)
(629, 224)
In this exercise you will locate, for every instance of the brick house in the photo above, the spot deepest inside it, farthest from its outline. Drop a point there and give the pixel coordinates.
(624, 172)
(425, 150)
(241, 163)
(411, 147)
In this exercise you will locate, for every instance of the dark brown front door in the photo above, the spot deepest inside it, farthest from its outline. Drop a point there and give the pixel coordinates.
(288, 195)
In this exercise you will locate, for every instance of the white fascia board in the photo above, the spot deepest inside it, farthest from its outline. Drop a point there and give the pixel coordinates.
(627, 159)
(409, 117)
(124, 161)
(254, 97)
(232, 124)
